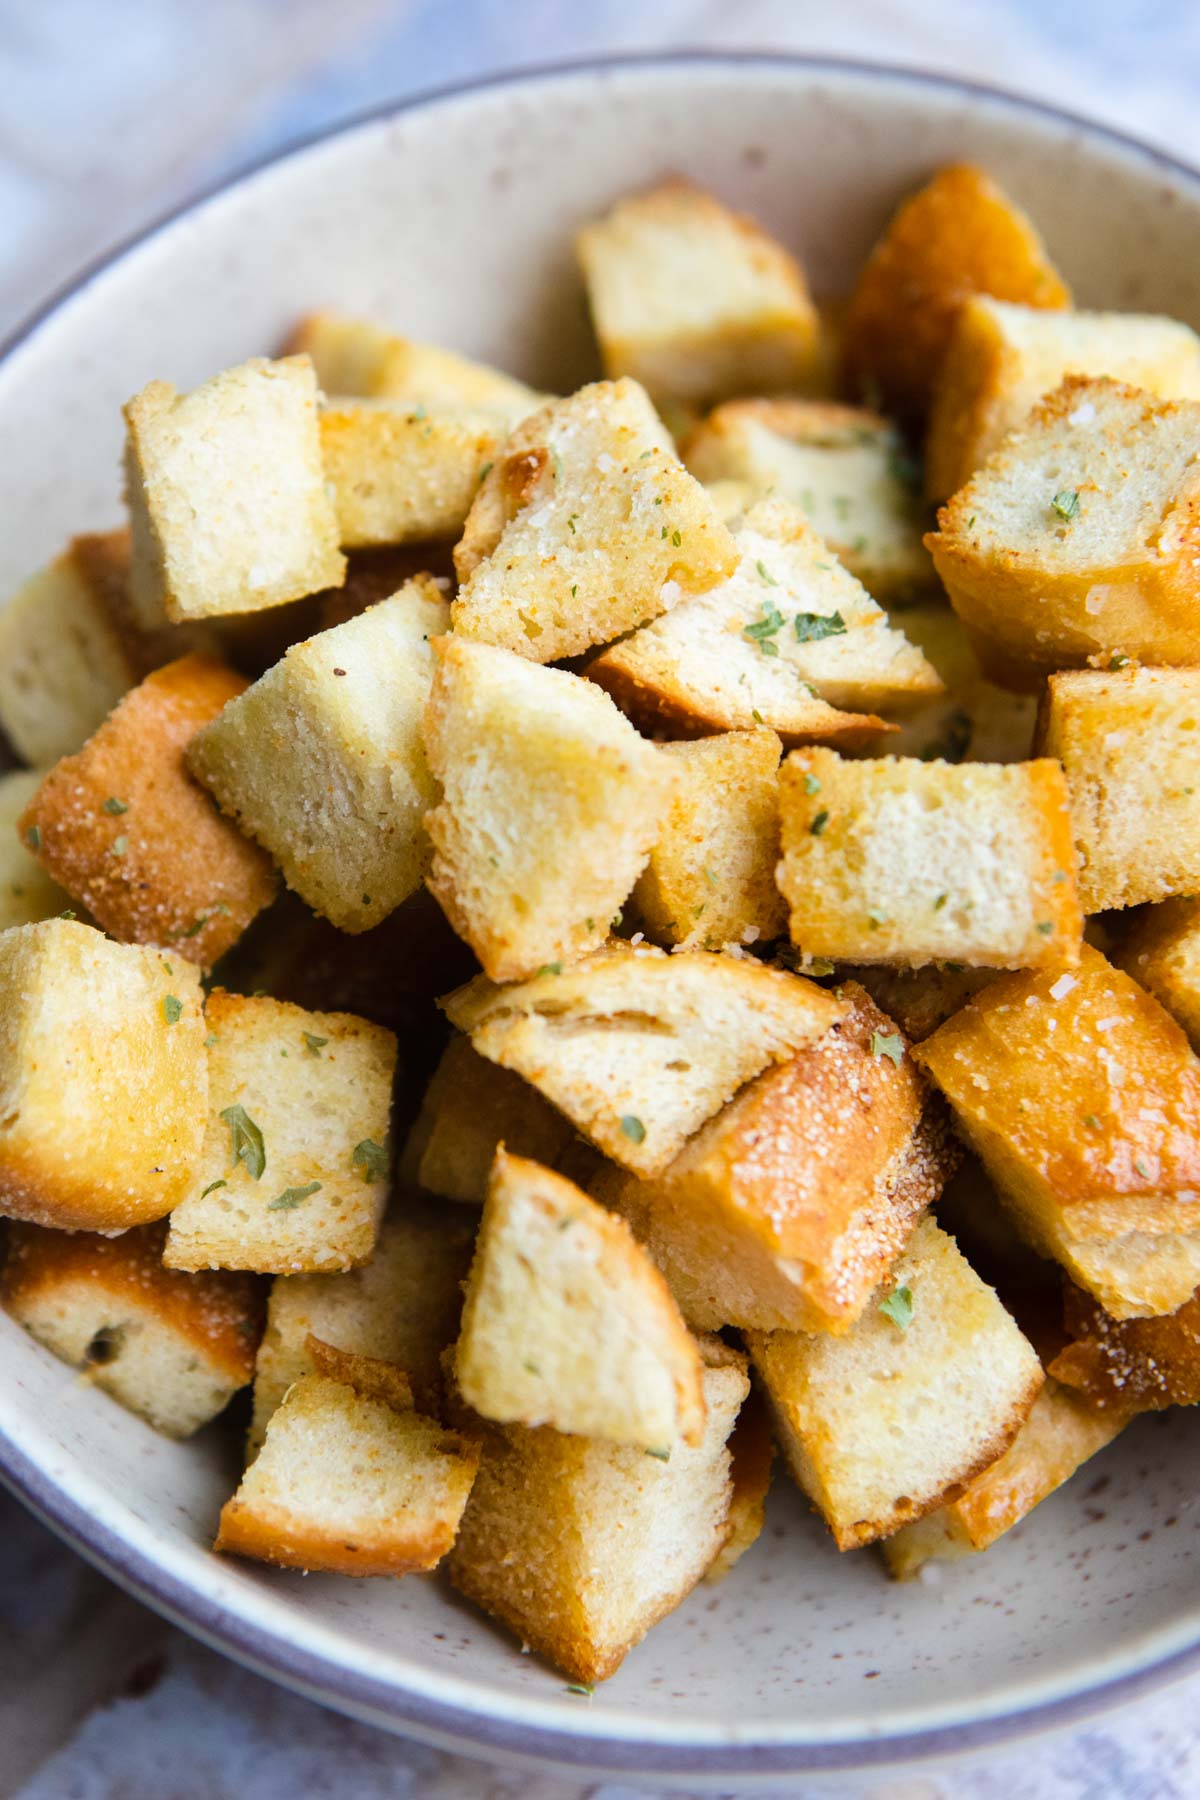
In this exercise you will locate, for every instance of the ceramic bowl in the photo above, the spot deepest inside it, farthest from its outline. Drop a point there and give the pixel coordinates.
(452, 218)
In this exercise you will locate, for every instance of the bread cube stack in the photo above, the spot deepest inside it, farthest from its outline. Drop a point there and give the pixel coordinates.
(518, 906)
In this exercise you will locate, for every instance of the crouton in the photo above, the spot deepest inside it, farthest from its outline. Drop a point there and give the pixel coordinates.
(909, 862)
(125, 829)
(786, 1210)
(587, 525)
(579, 1546)
(365, 361)
(404, 474)
(226, 494)
(551, 804)
(752, 1457)
(322, 761)
(710, 880)
(1082, 1097)
(638, 1048)
(293, 1174)
(925, 1392)
(1062, 1431)
(786, 641)
(1075, 541)
(371, 1375)
(1124, 1365)
(695, 301)
(1002, 358)
(470, 1106)
(173, 1348)
(847, 470)
(1162, 953)
(345, 1483)
(27, 893)
(958, 235)
(103, 1078)
(568, 1323)
(1129, 746)
(918, 999)
(373, 575)
(402, 1307)
(972, 720)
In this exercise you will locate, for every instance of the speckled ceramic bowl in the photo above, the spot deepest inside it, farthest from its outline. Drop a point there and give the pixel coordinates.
(452, 218)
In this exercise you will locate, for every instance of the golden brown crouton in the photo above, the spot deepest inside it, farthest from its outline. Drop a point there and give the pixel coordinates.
(371, 1375)
(1123, 1365)
(403, 474)
(1162, 953)
(174, 1348)
(27, 893)
(128, 832)
(919, 999)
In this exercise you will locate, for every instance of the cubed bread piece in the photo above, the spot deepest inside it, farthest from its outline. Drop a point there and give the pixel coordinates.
(786, 641)
(470, 1106)
(174, 1348)
(227, 495)
(1082, 1097)
(752, 1458)
(919, 999)
(27, 893)
(403, 474)
(925, 1392)
(103, 1078)
(695, 301)
(587, 525)
(1077, 540)
(710, 880)
(371, 1375)
(359, 359)
(402, 1307)
(1062, 1431)
(1129, 744)
(638, 1048)
(551, 804)
(786, 1210)
(580, 1546)
(128, 832)
(322, 760)
(1124, 1365)
(958, 235)
(973, 720)
(294, 1171)
(568, 1323)
(1162, 953)
(847, 470)
(909, 862)
(1002, 358)
(346, 1483)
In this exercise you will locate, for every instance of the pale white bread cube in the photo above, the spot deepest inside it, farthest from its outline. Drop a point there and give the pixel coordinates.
(710, 880)
(322, 760)
(579, 1546)
(1082, 1097)
(1127, 741)
(346, 1483)
(638, 1048)
(172, 1348)
(927, 1390)
(550, 805)
(1076, 542)
(786, 1210)
(1162, 953)
(790, 640)
(847, 470)
(1062, 1431)
(469, 1107)
(27, 893)
(103, 1078)
(568, 1323)
(404, 474)
(973, 720)
(358, 359)
(907, 862)
(695, 301)
(1003, 357)
(752, 1459)
(293, 1174)
(227, 496)
(402, 1307)
(587, 525)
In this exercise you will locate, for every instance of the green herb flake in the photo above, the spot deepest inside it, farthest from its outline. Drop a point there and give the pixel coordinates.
(756, 715)
(618, 919)
(888, 1046)
(633, 1128)
(819, 823)
(877, 919)
(898, 1306)
(571, 523)
(485, 472)
(574, 589)
(811, 784)
(660, 1455)
(116, 807)
(676, 539)
(531, 1366)
(812, 627)
(761, 631)
(197, 925)
(1091, 1121)
(766, 574)
(210, 1040)
(119, 846)
(172, 1009)
(33, 837)
(1118, 660)
(372, 1159)
(68, 913)
(819, 966)
(213, 1186)
(1141, 1168)
(940, 902)
(1045, 926)
(293, 1197)
(554, 968)
(245, 1141)
(314, 1044)
(581, 1687)
(1065, 503)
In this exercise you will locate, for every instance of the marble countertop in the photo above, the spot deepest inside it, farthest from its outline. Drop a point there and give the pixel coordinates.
(115, 111)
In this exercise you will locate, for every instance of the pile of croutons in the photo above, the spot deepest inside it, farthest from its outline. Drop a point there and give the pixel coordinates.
(521, 910)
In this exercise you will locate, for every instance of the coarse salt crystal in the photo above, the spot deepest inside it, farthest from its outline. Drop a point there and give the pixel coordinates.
(1083, 415)
(638, 937)
(605, 463)
(1062, 987)
(669, 592)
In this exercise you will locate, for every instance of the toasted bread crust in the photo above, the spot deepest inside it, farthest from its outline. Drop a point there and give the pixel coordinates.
(1124, 1365)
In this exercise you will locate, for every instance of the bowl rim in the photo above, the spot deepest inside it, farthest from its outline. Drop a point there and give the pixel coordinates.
(380, 1701)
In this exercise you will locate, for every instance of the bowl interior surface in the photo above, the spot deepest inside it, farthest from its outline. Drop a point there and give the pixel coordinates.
(453, 220)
